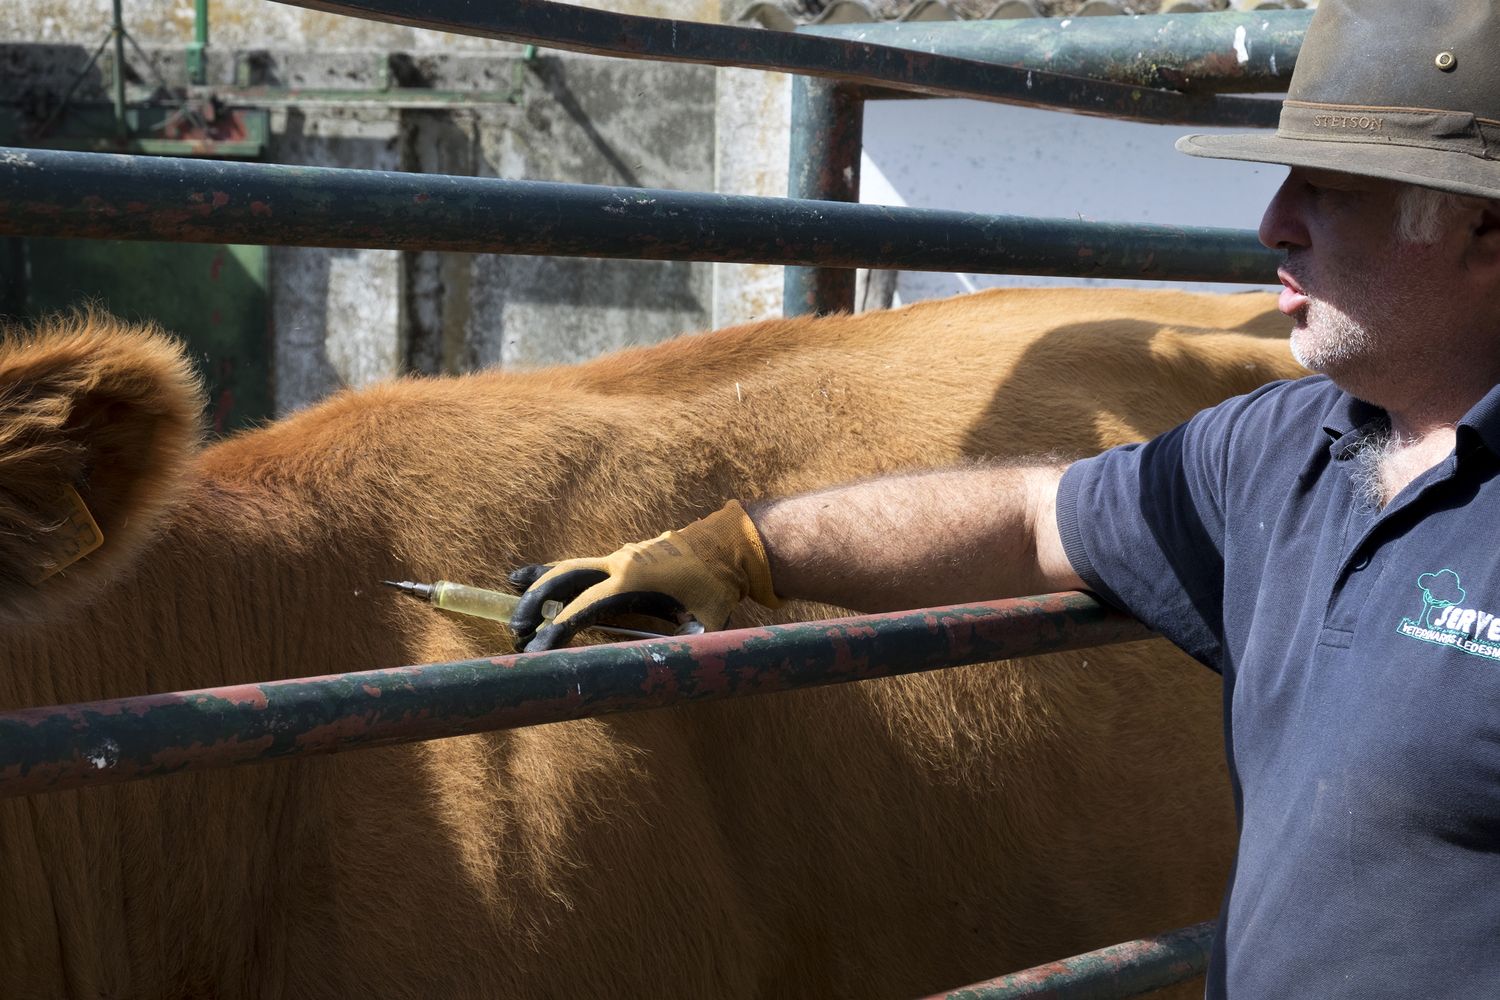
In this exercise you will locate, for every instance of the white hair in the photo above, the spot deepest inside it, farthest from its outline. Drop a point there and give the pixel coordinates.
(1424, 214)
(1371, 459)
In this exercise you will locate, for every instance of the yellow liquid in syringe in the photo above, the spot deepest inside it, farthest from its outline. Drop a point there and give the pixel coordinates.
(493, 604)
(497, 605)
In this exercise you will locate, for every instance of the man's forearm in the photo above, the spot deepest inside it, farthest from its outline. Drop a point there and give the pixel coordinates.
(970, 533)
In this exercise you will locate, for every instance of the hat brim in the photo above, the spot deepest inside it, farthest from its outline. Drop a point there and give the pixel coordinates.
(1445, 170)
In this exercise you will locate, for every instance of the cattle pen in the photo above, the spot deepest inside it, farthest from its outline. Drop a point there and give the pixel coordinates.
(1149, 68)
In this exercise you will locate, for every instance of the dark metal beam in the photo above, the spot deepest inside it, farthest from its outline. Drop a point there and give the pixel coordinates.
(827, 138)
(579, 29)
(71, 746)
(1250, 52)
(107, 196)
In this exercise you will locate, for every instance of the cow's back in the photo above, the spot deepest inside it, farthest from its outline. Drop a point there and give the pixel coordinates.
(955, 824)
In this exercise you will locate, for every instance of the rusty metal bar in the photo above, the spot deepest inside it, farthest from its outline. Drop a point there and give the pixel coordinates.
(1123, 970)
(579, 29)
(827, 138)
(107, 196)
(1231, 51)
(71, 746)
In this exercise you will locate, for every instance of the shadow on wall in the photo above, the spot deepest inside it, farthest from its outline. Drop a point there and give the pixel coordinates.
(299, 305)
(336, 312)
(438, 286)
(34, 76)
(551, 73)
(530, 311)
(468, 311)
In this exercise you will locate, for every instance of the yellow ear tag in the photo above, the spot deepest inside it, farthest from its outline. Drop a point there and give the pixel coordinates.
(76, 537)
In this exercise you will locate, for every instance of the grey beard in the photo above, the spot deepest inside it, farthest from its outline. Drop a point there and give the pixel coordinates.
(1340, 339)
(1367, 474)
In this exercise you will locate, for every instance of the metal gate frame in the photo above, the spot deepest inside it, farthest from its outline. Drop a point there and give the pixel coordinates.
(1198, 54)
(102, 196)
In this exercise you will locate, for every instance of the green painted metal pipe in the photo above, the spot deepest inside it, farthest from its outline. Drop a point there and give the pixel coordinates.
(107, 196)
(1124, 970)
(71, 746)
(196, 51)
(1233, 51)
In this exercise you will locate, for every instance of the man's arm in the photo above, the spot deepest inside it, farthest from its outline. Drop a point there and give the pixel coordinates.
(923, 540)
(972, 533)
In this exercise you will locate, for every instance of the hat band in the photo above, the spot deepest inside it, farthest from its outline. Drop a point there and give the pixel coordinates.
(1455, 131)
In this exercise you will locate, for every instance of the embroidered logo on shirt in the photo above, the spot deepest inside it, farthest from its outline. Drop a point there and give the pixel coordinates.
(1446, 622)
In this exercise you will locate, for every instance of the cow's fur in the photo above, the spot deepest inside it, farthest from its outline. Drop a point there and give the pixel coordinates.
(880, 839)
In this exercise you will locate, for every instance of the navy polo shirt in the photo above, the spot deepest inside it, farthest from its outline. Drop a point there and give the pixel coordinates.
(1360, 651)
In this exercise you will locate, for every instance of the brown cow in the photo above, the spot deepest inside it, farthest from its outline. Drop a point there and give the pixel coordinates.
(879, 839)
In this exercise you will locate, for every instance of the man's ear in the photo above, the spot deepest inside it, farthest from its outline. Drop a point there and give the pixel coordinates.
(98, 422)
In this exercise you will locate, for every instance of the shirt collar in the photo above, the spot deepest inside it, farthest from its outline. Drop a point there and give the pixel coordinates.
(1349, 420)
(1483, 421)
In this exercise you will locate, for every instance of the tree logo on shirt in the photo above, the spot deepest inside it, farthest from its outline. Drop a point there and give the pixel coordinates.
(1446, 622)
(1439, 590)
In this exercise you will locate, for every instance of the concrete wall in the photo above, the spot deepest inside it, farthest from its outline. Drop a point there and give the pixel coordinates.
(348, 317)
(241, 24)
(752, 118)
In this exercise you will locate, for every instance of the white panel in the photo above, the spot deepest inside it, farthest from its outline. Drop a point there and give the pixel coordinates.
(997, 159)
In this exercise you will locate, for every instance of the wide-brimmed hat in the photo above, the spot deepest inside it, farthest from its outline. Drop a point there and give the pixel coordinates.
(1408, 90)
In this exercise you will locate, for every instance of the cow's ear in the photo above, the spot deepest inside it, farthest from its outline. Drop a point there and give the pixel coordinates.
(98, 422)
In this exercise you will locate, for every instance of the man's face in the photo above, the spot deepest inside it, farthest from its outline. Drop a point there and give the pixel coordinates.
(1364, 303)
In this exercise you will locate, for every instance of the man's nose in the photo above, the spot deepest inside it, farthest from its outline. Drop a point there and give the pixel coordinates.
(1284, 227)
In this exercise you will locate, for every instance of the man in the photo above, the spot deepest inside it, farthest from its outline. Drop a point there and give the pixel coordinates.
(1324, 544)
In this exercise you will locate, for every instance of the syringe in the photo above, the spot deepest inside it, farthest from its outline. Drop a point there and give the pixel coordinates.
(495, 605)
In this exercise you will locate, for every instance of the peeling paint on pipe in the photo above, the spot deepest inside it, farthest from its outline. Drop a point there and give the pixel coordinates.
(1195, 54)
(73, 746)
(1124, 970)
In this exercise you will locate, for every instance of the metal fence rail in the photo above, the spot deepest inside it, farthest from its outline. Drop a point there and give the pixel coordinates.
(111, 196)
(565, 26)
(1200, 53)
(1124, 970)
(70, 746)
(1250, 52)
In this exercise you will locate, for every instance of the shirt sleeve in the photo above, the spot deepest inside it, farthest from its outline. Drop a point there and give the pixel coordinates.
(1144, 524)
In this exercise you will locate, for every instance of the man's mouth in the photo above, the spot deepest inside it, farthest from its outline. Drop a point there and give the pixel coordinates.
(1293, 299)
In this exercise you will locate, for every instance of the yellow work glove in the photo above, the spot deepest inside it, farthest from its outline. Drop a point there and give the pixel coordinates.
(702, 571)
